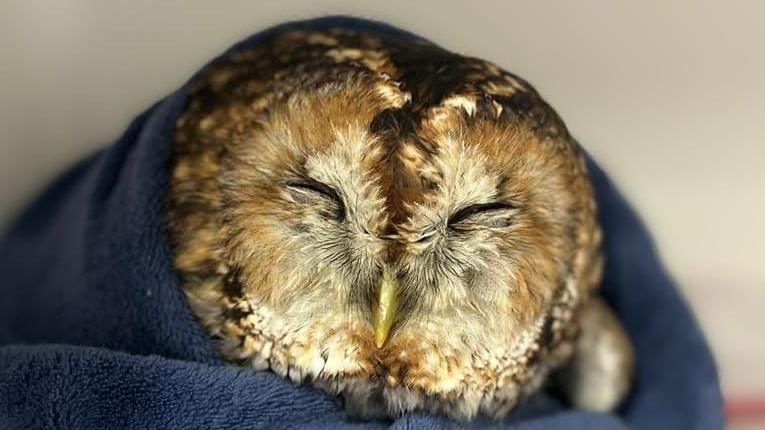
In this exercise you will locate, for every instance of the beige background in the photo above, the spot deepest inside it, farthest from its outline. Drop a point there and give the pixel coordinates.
(668, 95)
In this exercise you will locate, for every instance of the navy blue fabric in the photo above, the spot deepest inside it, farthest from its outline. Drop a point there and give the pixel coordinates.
(95, 333)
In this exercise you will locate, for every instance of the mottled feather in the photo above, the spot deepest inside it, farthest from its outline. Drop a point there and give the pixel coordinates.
(306, 167)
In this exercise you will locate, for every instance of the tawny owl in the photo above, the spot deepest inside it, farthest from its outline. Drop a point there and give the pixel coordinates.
(399, 225)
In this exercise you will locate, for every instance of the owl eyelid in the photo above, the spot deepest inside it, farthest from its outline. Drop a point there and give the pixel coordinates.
(476, 209)
(316, 187)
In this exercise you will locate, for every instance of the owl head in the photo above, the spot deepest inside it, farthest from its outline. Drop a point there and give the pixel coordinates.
(404, 226)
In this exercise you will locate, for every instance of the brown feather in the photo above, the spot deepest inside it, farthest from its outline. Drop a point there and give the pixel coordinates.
(407, 134)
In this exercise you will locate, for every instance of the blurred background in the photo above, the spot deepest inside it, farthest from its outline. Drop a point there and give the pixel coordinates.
(668, 96)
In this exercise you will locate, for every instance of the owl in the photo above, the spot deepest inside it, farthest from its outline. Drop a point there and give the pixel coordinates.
(404, 227)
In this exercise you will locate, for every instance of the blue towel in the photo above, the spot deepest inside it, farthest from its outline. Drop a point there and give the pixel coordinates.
(95, 332)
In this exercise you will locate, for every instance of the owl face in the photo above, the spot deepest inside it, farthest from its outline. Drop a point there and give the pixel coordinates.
(405, 253)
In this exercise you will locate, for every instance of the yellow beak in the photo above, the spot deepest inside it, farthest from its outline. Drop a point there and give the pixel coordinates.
(384, 310)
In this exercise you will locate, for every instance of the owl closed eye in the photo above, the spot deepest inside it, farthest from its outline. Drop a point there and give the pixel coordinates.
(310, 192)
(406, 228)
(492, 215)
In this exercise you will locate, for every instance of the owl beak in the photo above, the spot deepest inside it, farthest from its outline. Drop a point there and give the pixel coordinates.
(384, 310)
